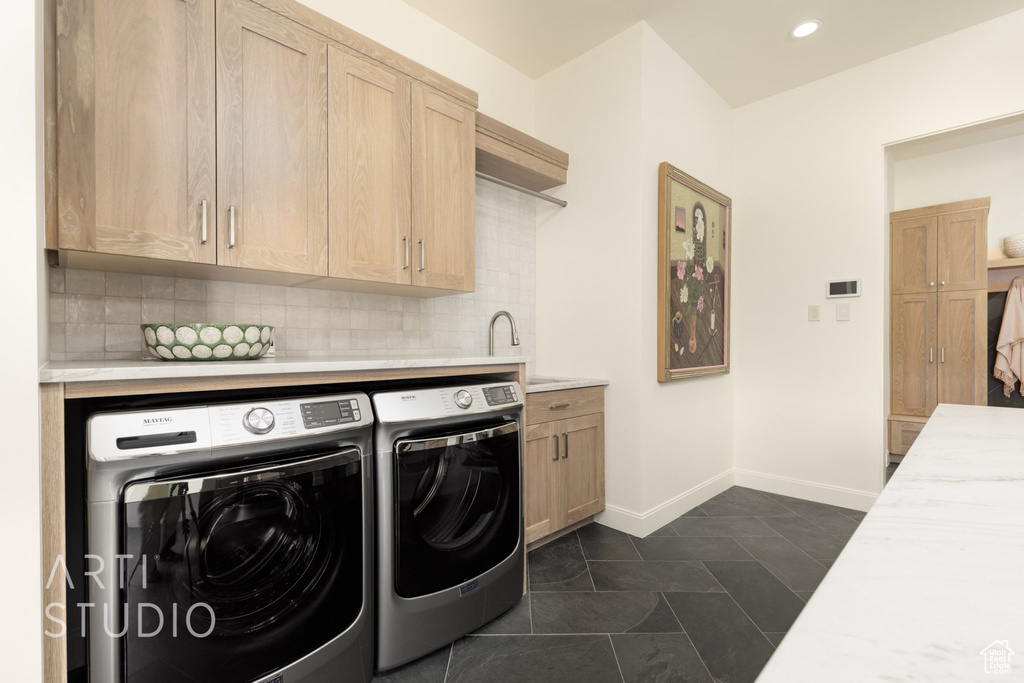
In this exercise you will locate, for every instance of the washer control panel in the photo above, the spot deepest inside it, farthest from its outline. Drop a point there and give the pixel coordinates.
(425, 404)
(162, 431)
(330, 413)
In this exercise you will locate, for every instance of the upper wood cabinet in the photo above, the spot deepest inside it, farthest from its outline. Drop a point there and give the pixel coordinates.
(939, 248)
(136, 122)
(260, 136)
(371, 171)
(443, 191)
(272, 141)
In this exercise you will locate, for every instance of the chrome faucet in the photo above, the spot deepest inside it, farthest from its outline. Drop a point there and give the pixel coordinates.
(512, 322)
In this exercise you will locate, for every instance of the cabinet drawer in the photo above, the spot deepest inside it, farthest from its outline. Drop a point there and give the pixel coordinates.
(558, 405)
(902, 435)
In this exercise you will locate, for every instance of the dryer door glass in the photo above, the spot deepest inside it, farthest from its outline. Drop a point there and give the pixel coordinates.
(220, 565)
(457, 506)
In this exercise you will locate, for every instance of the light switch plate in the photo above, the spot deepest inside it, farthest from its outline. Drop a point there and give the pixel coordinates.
(814, 314)
(843, 312)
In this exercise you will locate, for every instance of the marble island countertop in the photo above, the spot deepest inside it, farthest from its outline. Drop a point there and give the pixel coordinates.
(934, 575)
(119, 370)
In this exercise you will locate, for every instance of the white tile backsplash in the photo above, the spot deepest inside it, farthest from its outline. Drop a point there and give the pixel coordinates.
(95, 315)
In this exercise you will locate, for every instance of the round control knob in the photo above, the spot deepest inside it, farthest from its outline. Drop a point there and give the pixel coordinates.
(258, 421)
(463, 399)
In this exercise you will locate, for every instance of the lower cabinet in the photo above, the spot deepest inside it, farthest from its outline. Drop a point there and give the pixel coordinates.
(563, 479)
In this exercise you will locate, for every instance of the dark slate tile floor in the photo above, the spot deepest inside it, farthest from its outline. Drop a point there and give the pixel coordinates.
(706, 598)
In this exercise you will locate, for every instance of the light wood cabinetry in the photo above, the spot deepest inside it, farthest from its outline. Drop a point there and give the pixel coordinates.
(259, 136)
(443, 191)
(136, 121)
(563, 479)
(272, 141)
(371, 171)
(506, 153)
(938, 313)
(914, 329)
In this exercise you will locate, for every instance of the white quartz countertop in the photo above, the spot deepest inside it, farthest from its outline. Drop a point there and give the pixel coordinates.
(95, 371)
(536, 385)
(934, 575)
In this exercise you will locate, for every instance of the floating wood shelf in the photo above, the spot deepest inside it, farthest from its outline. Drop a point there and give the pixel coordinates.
(506, 153)
(1006, 263)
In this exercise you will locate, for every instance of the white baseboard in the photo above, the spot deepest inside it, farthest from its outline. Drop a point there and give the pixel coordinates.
(808, 490)
(641, 524)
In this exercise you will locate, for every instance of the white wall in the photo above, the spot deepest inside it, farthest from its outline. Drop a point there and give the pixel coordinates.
(505, 93)
(686, 426)
(588, 254)
(619, 110)
(993, 169)
(20, 122)
(810, 398)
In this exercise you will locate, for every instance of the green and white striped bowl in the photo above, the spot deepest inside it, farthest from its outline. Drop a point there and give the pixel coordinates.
(203, 341)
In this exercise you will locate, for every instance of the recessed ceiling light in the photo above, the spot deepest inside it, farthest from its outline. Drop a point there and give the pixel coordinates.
(805, 28)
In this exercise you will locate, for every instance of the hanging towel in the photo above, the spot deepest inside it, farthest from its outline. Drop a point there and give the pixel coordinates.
(1009, 366)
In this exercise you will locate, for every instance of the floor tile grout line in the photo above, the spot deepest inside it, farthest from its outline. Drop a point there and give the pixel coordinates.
(618, 665)
(699, 655)
(800, 550)
(448, 666)
(752, 622)
(674, 615)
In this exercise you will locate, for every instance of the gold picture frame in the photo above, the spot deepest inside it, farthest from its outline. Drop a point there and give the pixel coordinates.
(694, 276)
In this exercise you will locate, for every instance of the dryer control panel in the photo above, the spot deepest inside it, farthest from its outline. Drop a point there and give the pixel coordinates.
(426, 404)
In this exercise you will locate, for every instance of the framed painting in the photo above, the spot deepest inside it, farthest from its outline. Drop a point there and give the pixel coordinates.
(694, 224)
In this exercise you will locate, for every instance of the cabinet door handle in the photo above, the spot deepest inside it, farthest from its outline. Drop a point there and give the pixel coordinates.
(942, 355)
(931, 354)
(931, 284)
(405, 241)
(560, 406)
(423, 257)
(942, 283)
(231, 227)
(203, 235)
(555, 437)
(565, 446)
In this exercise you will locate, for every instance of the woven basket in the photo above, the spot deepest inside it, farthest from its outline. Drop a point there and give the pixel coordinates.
(1014, 246)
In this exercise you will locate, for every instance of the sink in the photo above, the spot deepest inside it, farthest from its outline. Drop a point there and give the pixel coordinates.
(534, 381)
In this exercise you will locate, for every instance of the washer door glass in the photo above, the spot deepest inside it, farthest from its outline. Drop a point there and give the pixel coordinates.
(233, 576)
(457, 507)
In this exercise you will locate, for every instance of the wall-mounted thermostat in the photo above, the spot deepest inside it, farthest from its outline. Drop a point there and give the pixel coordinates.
(842, 288)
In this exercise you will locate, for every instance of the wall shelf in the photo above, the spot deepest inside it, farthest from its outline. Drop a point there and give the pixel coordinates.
(995, 264)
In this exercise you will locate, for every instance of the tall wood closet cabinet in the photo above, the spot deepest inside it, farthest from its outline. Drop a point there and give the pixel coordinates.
(938, 313)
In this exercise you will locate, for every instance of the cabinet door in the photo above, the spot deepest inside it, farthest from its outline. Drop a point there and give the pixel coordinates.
(913, 255)
(913, 354)
(371, 171)
(444, 191)
(963, 250)
(582, 465)
(272, 141)
(963, 347)
(540, 469)
(136, 127)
